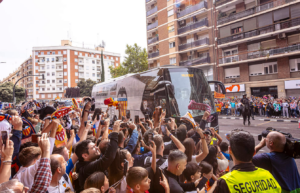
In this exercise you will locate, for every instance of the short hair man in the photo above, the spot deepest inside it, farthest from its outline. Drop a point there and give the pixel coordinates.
(283, 167)
(244, 175)
(60, 180)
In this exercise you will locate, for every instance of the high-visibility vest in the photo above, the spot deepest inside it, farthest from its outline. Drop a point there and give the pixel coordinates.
(256, 181)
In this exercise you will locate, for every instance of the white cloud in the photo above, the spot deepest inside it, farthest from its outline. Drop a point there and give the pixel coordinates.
(31, 23)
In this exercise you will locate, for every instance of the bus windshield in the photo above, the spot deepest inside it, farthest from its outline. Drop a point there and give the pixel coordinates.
(188, 84)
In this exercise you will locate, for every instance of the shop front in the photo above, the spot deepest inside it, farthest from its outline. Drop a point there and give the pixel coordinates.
(235, 90)
(292, 88)
(262, 91)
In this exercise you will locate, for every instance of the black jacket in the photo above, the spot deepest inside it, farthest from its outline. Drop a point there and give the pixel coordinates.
(85, 169)
(175, 185)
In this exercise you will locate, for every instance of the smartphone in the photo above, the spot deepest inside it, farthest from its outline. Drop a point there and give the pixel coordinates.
(125, 167)
(202, 183)
(167, 120)
(34, 138)
(150, 138)
(4, 135)
(123, 125)
(123, 118)
(146, 117)
(163, 129)
(137, 119)
(128, 114)
(85, 123)
(102, 122)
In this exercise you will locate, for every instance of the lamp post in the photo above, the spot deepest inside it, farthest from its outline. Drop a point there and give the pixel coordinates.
(14, 99)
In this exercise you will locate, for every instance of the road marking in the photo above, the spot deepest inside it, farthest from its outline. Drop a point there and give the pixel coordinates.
(263, 123)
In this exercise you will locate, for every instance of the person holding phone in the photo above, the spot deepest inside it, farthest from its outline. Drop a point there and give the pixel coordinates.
(6, 161)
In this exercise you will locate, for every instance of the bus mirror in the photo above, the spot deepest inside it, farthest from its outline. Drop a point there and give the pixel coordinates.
(220, 84)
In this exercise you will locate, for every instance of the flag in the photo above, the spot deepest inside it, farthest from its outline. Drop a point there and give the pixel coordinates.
(219, 95)
(188, 117)
(27, 131)
(61, 112)
(5, 116)
(199, 106)
(61, 136)
(94, 130)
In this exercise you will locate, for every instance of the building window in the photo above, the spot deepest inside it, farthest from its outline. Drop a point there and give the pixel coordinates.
(93, 75)
(232, 72)
(48, 88)
(93, 61)
(76, 53)
(87, 74)
(43, 96)
(48, 74)
(53, 52)
(36, 53)
(76, 73)
(171, 12)
(80, 54)
(76, 66)
(48, 53)
(43, 89)
(53, 73)
(48, 81)
(59, 81)
(86, 54)
(60, 95)
(270, 68)
(172, 45)
(65, 73)
(37, 82)
(236, 30)
(53, 88)
(87, 67)
(49, 95)
(43, 82)
(36, 60)
(76, 60)
(52, 59)
(42, 53)
(65, 59)
(48, 59)
(59, 52)
(65, 80)
(93, 68)
(92, 55)
(295, 65)
(65, 66)
(171, 28)
(53, 81)
(53, 66)
(173, 60)
(76, 80)
(36, 67)
(117, 58)
(65, 52)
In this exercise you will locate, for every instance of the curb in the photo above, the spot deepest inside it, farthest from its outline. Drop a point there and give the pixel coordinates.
(274, 120)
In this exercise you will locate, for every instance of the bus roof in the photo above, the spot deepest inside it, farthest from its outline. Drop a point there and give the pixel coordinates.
(132, 74)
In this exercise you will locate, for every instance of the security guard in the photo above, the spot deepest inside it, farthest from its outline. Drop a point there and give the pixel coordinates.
(245, 177)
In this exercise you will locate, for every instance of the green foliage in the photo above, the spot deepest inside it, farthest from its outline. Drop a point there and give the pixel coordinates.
(135, 61)
(86, 87)
(6, 91)
(102, 68)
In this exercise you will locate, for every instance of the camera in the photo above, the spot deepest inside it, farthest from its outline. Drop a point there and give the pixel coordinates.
(292, 146)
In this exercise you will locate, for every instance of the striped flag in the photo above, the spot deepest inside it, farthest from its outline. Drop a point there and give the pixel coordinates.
(60, 137)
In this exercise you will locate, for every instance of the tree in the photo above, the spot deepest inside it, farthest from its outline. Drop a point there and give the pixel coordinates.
(6, 91)
(135, 61)
(86, 87)
(72, 92)
(102, 68)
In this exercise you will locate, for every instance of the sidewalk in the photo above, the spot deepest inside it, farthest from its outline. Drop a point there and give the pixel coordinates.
(291, 120)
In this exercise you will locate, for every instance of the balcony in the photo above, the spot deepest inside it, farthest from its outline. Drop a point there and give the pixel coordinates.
(192, 9)
(195, 61)
(192, 26)
(59, 83)
(59, 76)
(81, 69)
(147, 1)
(260, 31)
(80, 62)
(251, 11)
(153, 55)
(153, 25)
(263, 54)
(41, 62)
(193, 44)
(59, 69)
(153, 40)
(152, 11)
(221, 2)
(81, 76)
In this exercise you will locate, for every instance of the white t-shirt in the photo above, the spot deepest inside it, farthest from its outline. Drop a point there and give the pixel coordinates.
(194, 159)
(26, 175)
(62, 186)
(52, 141)
(222, 164)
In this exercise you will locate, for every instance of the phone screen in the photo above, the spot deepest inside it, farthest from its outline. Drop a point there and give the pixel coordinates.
(34, 138)
(150, 137)
(125, 167)
(123, 118)
(137, 119)
(146, 117)
(128, 114)
(163, 129)
(4, 136)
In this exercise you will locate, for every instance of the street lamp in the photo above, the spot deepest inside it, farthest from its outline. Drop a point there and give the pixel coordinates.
(14, 99)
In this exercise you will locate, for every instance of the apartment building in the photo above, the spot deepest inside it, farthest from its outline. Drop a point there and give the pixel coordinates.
(259, 46)
(24, 69)
(62, 66)
(180, 32)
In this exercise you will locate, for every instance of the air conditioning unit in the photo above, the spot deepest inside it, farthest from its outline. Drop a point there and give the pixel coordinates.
(293, 69)
(281, 35)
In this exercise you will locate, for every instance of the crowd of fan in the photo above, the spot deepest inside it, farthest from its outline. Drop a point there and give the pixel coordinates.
(266, 106)
(135, 156)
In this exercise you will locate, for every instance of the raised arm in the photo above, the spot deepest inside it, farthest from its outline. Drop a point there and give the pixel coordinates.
(7, 151)
(153, 150)
(178, 144)
(205, 151)
(86, 111)
(214, 133)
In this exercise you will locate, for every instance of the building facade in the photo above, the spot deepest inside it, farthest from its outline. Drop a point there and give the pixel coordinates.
(259, 46)
(62, 66)
(180, 32)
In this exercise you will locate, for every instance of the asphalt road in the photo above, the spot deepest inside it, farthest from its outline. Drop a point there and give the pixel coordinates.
(256, 127)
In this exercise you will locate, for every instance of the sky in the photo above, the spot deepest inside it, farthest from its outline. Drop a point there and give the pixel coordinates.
(33, 23)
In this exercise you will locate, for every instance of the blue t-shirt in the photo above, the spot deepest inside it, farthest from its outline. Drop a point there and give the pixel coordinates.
(226, 155)
(282, 167)
(232, 105)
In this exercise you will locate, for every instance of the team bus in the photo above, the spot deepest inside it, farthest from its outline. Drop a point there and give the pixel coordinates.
(169, 87)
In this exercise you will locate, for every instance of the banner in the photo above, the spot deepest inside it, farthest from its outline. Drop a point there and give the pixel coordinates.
(219, 95)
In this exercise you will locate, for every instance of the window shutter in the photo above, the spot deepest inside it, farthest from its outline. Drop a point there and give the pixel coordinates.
(253, 47)
(250, 24)
(250, 5)
(229, 72)
(235, 25)
(293, 65)
(265, 19)
(225, 31)
(295, 11)
(281, 14)
(294, 39)
(255, 70)
(268, 44)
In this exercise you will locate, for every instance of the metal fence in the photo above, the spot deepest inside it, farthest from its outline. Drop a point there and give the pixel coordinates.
(194, 44)
(191, 9)
(153, 25)
(195, 61)
(153, 55)
(152, 11)
(192, 26)
(152, 40)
